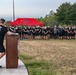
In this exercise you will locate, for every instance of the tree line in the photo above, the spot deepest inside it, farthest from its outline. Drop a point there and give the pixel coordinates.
(64, 15)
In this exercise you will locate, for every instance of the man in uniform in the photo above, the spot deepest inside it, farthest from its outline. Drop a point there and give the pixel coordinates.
(3, 31)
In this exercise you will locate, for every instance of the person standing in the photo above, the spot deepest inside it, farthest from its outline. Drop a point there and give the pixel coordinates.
(3, 32)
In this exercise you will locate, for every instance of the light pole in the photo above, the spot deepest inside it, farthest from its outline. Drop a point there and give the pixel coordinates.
(13, 11)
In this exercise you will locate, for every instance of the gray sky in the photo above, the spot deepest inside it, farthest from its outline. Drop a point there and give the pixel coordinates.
(29, 8)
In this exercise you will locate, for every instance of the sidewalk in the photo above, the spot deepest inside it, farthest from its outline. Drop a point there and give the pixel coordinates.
(21, 70)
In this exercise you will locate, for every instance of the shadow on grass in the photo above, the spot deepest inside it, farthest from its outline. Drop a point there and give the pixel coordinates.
(24, 57)
(37, 67)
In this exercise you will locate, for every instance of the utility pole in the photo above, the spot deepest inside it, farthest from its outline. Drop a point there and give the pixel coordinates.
(13, 11)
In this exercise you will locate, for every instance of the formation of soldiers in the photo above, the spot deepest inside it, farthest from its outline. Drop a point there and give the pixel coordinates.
(45, 32)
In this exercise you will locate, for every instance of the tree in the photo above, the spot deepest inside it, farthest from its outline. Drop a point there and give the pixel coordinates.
(65, 15)
(62, 14)
(72, 15)
(49, 20)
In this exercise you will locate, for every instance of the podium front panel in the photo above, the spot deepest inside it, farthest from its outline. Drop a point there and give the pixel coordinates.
(11, 51)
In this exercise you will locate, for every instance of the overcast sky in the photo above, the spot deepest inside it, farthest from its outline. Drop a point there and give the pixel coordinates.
(29, 8)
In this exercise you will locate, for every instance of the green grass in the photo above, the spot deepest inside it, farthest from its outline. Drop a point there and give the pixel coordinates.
(37, 67)
(49, 57)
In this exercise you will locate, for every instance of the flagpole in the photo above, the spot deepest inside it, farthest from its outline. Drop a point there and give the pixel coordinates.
(13, 11)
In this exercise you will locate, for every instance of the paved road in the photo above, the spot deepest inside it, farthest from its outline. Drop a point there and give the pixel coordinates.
(21, 70)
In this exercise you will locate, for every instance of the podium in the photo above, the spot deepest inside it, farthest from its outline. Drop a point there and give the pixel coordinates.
(12, 51)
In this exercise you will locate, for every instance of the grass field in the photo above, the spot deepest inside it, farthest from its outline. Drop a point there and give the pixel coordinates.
(49, 57)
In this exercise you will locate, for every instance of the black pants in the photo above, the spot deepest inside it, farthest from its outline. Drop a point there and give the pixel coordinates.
(2, 49)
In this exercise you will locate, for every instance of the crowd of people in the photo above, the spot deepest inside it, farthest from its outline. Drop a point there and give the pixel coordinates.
(44, 32)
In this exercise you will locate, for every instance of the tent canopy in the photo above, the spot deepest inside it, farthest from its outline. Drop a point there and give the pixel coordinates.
(26, 22)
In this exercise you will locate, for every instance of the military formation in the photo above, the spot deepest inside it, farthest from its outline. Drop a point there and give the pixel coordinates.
(44, 32)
